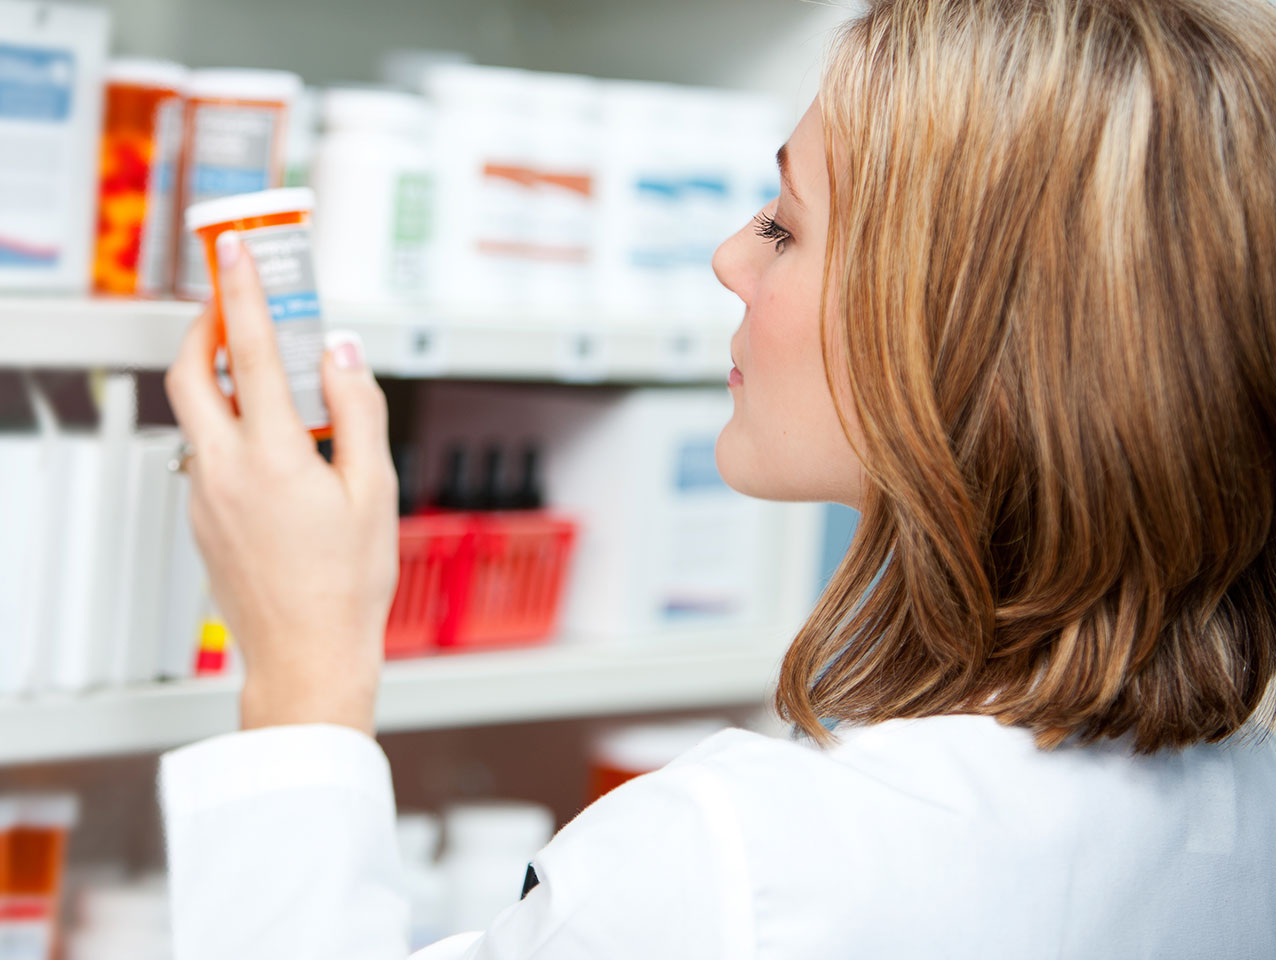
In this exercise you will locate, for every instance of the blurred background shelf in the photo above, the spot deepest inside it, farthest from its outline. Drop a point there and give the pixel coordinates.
(405, 342)
(668, 673)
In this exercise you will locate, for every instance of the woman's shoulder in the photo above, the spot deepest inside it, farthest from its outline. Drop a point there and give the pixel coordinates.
(973, 766)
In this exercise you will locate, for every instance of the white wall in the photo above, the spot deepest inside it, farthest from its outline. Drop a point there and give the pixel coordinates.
(772, 45)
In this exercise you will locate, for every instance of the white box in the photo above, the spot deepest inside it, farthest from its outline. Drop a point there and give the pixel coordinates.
(186, 591)
(52, 58)
(150, 500)
(31, 481)
(665, 543)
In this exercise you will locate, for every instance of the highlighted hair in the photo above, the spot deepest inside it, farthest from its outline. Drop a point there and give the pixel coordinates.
(1052, 273)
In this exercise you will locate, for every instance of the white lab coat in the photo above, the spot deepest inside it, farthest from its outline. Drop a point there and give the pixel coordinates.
(949, 837)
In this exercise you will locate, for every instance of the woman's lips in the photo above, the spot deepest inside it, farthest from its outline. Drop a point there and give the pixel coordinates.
(735, 377)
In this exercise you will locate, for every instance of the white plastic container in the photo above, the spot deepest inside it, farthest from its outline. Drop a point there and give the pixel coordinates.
(302, 137)
(566, 156)
(52, 58)
(489, 847)
(486, 191)
(703, 136)
(752, 133)
(236, 130)
(373, 177)
(640, 194)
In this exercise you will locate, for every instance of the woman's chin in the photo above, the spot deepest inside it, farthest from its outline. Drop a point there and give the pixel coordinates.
(737, 464)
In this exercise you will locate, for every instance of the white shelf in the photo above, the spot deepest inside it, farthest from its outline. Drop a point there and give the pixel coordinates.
(409, 342)
(459, 690)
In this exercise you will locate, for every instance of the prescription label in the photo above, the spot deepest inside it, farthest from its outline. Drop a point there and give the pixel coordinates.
(286, 267)
(233, 147)
(155, 257)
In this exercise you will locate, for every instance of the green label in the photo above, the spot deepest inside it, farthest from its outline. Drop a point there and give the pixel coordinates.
(413, 193)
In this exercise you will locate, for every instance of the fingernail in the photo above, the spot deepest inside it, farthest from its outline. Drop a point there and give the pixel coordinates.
(346, 347)
(228, 247)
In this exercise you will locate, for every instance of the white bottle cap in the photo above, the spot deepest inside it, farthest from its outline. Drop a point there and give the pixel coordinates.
(567, 91)
(123, 906)
(376, 109)
(270, 86)
(499, 826)
(141, 72)
(57, 810)
(463, 83)
(643, 748)
(242, 206)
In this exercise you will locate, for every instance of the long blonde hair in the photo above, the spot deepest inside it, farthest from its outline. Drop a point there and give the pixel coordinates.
(1052, 269)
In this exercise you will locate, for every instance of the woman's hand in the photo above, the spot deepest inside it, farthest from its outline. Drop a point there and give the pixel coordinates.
(302, 555)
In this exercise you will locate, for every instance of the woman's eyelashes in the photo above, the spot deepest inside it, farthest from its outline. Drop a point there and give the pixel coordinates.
(766, 228)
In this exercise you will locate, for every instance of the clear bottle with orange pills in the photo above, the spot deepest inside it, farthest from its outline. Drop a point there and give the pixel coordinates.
(137, 185)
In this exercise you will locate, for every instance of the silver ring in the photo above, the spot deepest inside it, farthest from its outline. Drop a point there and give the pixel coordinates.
(182, 458)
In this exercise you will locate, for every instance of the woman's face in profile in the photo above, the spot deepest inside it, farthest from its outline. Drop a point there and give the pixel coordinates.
(784, 440)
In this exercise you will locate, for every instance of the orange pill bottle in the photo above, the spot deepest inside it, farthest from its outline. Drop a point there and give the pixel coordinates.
(137, 185)
(620, 754)
(234, 142)
(274, 226)
(36, 846)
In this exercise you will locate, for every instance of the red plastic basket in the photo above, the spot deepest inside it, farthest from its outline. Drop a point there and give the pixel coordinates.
(475, 580)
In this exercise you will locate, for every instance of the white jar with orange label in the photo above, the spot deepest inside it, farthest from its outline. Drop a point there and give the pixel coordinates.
(235, 133)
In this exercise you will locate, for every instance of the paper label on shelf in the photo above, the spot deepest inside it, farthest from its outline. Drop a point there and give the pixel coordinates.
(36, 87)
(424, 351)
(232, 151)
(284, 264)
(582, 357)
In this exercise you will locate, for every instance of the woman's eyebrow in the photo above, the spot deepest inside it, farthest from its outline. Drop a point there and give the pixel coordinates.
(786, 177)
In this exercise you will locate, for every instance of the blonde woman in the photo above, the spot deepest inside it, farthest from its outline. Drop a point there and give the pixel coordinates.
(1017, 303)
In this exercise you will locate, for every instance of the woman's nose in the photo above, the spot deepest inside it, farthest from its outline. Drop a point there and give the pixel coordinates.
(732, 264)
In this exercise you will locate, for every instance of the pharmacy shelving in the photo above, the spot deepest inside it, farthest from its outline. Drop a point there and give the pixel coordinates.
(560, 681)
(401, 341)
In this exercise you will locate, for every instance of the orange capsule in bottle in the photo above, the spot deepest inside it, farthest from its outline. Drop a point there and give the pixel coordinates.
(141, 146)
(274, 227)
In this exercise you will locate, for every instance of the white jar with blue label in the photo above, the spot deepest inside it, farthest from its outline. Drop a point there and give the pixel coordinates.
(52, 58)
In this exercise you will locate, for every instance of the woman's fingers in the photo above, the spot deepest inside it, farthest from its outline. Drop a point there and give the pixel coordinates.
(261, 386)
(202, 410)
(360, 445)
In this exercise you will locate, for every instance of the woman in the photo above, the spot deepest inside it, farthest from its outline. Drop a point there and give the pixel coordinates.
(1017, 303)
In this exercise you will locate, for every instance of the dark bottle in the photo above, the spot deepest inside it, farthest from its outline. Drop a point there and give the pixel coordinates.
(407, 466)
(528, 495)
(453, 495)
(490, 494)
